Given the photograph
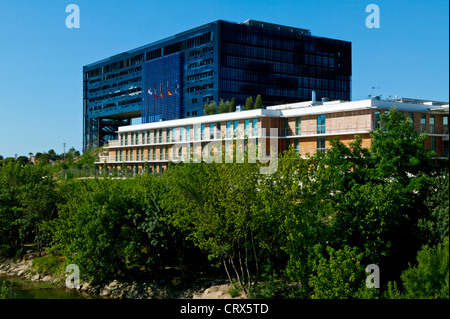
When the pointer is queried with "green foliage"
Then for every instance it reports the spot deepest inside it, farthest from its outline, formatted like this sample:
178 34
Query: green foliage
218 206
336 274
49 265
428 279
27 199
249 103
96 230
209 108
232 105
397 149
258 102
436 224
5 289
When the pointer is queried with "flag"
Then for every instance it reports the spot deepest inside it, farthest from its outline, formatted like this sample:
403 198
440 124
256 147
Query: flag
168 92
160 90
154 93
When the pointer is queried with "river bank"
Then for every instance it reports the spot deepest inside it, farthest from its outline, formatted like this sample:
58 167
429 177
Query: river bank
202 288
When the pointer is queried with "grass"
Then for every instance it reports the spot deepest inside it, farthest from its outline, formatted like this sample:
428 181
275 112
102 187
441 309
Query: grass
49 265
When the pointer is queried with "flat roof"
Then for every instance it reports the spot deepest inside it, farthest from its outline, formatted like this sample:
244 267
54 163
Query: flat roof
290 110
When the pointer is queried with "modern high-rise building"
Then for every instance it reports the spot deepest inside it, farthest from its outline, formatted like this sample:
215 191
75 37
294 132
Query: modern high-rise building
173 78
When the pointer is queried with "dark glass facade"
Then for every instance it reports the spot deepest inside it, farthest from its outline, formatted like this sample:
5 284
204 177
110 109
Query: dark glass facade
217 60
282 64
163 91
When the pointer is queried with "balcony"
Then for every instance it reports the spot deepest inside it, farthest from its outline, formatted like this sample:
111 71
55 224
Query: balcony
113 143
344 128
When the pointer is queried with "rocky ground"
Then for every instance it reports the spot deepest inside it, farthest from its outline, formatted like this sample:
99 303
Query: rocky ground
203 288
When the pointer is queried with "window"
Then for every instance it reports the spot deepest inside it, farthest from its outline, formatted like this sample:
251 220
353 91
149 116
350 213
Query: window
196 132
168 135
148 137
445 122
235 126
202 133
377 119
161 153
211 131
181 133
137 138
121 138
423 123
255 127
132 138
246 123
154 153
188 152
160 135
131 154
188 135
286 127
228 129
137 154
173 134
431 124
321 145
297 145
142 154
154 137
117 155
321 124
433 144
148 154
411 116
298 126
218 132
126 156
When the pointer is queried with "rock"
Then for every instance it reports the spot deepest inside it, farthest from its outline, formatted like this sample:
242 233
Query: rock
35 277
216 292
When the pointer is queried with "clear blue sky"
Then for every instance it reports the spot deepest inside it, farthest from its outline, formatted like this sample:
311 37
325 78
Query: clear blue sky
41 60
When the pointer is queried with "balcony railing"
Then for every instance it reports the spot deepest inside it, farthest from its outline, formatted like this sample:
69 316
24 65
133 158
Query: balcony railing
328 129
355 127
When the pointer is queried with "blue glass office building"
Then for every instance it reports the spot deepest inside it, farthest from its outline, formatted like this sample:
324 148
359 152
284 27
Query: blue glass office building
173 78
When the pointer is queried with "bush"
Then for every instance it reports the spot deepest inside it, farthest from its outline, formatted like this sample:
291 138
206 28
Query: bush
49 265
429 279
337 274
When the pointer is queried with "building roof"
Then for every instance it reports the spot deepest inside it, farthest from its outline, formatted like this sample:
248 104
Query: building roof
292 110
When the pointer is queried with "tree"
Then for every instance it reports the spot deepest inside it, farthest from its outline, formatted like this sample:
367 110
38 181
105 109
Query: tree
224 107
23 160
249 103
216 205
232 105
27 199
336 274
95 229
52 155
429 278
398 149
258 102
209 108
435 225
